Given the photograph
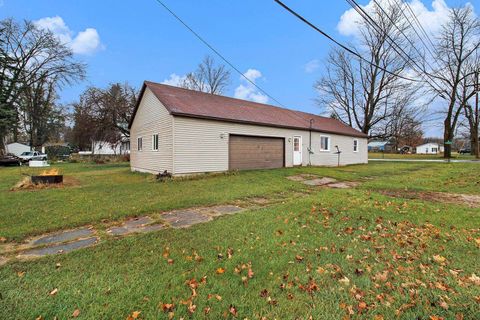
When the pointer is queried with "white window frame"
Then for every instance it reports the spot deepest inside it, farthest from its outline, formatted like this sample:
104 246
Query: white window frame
139 143
355 145
155 140
329 143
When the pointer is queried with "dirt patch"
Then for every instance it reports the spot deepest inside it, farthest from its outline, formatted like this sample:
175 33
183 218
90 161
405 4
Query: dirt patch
471 201
25 184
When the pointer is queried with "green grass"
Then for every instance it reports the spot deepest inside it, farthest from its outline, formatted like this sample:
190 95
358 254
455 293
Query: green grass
299 250
380 155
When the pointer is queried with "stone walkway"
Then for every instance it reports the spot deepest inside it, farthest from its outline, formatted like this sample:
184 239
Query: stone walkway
84 237
313 180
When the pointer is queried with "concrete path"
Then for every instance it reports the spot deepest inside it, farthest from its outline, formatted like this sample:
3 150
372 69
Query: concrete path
69 240
426 160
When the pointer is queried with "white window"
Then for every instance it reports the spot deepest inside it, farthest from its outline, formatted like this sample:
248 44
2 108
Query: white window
324 143
355 145
155 142
139 144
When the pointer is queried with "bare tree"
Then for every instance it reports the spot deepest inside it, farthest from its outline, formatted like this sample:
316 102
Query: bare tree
208 77
361 94
456 45
28 55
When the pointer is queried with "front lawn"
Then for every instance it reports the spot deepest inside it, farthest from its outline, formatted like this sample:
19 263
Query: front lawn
382 155
328 254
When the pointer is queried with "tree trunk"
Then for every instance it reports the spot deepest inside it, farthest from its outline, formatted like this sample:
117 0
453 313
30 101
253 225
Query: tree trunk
447 137
474 145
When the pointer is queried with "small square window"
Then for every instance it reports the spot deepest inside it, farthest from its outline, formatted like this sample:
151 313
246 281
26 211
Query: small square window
139 144
155 142
355 145
324 143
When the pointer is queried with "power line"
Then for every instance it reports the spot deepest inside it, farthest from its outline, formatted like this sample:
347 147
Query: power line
217 52
409 7
399 4
408 39
394 45
340 44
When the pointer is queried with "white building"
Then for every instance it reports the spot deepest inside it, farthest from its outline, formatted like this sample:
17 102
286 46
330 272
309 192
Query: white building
17 148
184 132
430 148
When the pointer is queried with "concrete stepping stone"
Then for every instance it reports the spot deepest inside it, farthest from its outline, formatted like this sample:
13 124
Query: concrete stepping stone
302 177
60 248
62 236
184 218
221 210
343 185
137 225
319 182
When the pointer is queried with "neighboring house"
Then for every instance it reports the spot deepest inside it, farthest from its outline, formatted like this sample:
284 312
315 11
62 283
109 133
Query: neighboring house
430 148
184 132
17 148
107 148
380 146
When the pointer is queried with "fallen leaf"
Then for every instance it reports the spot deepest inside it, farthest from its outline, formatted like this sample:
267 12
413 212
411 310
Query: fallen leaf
54 292
439 259
220 271
229 253
76 313
299 258
206 310
233 310
168 307
170 261
474 279
345 281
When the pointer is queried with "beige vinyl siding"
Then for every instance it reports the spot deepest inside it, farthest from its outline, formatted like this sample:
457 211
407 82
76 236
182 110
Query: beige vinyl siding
152 118
202 145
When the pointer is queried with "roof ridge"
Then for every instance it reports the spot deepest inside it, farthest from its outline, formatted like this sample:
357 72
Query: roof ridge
236 99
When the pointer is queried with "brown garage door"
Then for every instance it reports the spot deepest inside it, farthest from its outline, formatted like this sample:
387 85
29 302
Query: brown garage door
248 152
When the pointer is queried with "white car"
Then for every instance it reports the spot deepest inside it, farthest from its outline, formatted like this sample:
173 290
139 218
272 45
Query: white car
33 155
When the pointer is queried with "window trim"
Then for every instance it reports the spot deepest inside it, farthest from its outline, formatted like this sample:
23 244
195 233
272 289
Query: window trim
155 137
140 143
329 143
355 145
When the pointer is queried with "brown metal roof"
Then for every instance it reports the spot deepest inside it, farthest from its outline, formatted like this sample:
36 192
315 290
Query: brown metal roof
190 103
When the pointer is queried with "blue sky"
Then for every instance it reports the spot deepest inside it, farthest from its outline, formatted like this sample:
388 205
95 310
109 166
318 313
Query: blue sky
138 40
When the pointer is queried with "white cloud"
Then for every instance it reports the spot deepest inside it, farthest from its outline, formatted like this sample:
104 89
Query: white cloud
248 91
174 80
312 66
431 20
84 42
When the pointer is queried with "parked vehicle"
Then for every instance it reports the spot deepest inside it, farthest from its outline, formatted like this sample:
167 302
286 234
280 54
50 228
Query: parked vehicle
465 151
10 160
33 155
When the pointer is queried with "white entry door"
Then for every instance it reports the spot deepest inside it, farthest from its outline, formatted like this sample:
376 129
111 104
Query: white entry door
297 151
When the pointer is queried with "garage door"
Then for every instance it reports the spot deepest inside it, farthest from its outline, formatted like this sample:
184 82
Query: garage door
248 152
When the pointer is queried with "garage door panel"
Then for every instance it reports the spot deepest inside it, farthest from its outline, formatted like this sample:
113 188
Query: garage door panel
248 152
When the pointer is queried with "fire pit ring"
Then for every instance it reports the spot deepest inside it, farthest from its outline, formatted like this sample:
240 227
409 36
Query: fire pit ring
55 179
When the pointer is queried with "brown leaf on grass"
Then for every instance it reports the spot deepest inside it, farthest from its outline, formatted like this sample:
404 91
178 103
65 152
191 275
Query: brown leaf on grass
443 305
345 281
39 318
170 261
459 316
250 273
206 310
264 293
436 318
378 317
191 308
220 271
474 279
382 276
54 292
362 306
299 258
229 253
20 274
3 239
134 315
76 313
233 311
168 307
439 259
166 252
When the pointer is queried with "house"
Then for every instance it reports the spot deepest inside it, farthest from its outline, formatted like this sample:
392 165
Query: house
380 146
17 148
429 148
107 148
185 132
